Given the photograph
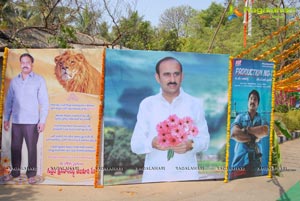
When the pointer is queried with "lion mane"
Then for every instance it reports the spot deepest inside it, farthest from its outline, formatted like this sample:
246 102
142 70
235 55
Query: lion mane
75 73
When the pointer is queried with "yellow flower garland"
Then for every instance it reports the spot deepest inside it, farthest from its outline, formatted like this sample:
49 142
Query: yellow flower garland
286 53
288 81
263 41
100 123
289 87
278 46
288 68
272 124
228 119
5 55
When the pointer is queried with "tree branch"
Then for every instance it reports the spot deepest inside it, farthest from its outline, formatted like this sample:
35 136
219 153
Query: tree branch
114 22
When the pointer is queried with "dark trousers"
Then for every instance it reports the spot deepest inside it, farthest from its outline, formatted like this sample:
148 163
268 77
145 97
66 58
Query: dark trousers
30 133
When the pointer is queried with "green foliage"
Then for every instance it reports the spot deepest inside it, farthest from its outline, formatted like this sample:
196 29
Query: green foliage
117 150
212 15
177 19
103 31
282 128
211 165
86 21
293 119
131 172
222 154
290 119
181 28
121 179
135 33
168 41
281 108
276 157
64 36
16 14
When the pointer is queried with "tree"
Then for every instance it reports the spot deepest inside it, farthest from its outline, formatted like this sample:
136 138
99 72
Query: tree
61 19
167 40
176 19
104 32
222 154
117 151
211 16
87 21
180 29
18 14
202 28
134 32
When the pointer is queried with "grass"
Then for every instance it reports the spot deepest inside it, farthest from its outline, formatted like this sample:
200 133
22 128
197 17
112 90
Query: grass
205 167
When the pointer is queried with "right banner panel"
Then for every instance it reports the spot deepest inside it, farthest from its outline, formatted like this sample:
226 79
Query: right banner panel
249 118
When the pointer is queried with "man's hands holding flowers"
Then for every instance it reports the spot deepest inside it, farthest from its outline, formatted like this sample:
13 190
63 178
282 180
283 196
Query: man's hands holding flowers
174 135
180 148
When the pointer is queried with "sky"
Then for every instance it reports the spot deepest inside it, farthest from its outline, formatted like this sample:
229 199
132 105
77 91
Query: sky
152 9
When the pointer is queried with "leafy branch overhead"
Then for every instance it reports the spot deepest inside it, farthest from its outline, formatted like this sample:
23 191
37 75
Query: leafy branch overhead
117 23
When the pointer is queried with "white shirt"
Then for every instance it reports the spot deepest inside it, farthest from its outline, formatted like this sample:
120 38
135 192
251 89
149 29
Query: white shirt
155 109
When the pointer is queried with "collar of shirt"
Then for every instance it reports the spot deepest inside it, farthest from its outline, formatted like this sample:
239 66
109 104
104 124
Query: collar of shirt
255 116
178 98
256 119
31 74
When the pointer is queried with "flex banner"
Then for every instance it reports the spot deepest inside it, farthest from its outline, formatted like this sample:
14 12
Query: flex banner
66 149
249 118
130 125
224 121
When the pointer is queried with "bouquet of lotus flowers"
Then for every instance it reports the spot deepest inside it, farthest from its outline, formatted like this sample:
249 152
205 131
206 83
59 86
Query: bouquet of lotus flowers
175 130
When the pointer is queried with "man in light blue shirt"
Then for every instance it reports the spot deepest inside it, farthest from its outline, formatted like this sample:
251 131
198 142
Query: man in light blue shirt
247 130
26 105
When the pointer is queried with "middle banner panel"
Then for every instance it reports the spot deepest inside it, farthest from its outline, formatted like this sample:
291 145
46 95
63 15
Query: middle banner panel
144 129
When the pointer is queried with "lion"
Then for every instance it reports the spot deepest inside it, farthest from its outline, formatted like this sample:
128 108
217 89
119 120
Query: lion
75 73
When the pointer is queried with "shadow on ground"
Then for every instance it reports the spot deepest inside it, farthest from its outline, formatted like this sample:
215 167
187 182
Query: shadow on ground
23 192
281 190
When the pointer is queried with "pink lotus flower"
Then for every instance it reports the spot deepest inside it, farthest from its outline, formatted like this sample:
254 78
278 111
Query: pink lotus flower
175 130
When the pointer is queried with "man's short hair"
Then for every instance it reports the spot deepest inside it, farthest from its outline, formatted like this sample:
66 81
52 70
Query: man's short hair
254 92
166 59
27 55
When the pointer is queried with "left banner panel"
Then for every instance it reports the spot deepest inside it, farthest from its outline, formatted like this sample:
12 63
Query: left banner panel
56 95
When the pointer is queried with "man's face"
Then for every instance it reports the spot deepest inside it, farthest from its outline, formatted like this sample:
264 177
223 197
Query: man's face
252 103
170 77
26 65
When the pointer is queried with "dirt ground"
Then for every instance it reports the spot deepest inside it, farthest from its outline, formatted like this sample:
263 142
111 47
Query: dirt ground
256 188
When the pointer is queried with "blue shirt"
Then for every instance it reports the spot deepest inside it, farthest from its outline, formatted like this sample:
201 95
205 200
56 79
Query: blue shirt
27 100
241 150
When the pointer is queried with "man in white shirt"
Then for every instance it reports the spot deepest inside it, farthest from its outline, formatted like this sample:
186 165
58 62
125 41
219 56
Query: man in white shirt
171 100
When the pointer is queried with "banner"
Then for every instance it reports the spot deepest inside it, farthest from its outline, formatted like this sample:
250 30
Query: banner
130 77
66 149
249 118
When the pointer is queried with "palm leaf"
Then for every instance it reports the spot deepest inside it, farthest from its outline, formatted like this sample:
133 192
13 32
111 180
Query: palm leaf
276 158
282 128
